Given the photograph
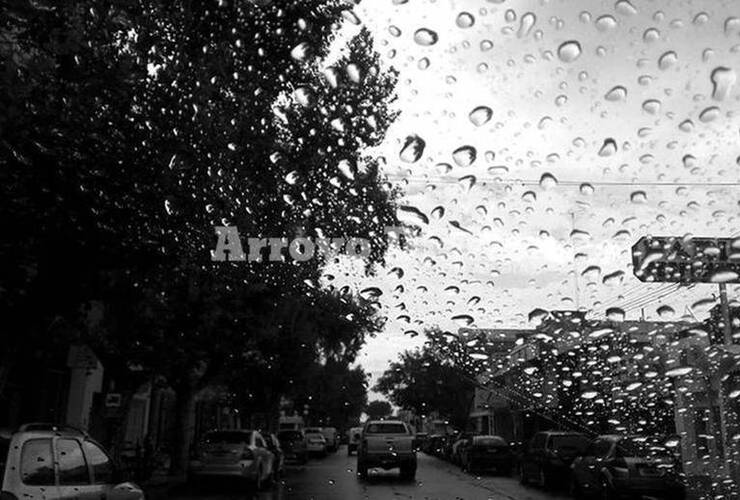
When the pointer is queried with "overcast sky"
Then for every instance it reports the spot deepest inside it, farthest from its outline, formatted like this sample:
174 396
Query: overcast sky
628 121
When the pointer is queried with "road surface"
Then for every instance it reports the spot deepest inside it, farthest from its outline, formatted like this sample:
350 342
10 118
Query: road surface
335 478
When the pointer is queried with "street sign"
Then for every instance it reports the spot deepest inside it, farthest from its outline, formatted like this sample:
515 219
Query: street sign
687 260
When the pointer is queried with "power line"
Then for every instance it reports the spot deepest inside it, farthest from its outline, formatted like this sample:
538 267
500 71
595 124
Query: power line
578 183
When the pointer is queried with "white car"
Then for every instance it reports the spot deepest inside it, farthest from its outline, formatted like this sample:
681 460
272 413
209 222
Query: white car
316 442
239 454
55 462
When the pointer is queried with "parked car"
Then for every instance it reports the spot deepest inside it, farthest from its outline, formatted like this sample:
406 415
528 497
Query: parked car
457 447
634 466
549 455
487 452
421 441
435 445
387 444
354 435
316 442
238 454
56 462
273 444
293 444
332 439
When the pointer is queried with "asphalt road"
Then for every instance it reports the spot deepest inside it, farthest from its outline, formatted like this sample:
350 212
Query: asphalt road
335 478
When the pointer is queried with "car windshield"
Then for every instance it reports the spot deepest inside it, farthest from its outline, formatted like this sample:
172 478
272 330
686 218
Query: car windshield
227 437
642 448
290 435
489 441
386 428
569 443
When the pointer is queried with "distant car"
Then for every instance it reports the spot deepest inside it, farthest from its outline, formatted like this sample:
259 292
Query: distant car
58 462
293 444
332 439
354 435
549 455
421 441
486 452
238 454
273 444
316 442
387 444
634 466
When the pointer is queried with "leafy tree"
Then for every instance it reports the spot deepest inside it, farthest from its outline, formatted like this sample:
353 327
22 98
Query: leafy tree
129 130
378 409
424 381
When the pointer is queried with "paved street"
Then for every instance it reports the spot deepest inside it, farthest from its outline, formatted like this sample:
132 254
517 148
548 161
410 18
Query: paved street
334 478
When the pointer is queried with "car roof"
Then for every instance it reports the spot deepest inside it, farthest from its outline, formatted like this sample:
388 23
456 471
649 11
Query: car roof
561 433
369 422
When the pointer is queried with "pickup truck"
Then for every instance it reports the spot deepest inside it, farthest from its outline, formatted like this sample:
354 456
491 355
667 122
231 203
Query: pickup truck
387 444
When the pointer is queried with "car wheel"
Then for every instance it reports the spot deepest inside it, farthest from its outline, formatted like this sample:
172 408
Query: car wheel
361 470
575 490
607 492
408 472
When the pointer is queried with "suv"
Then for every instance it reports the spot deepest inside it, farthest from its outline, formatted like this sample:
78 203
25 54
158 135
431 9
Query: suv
614 466
387 444
549 455
293 443
50 461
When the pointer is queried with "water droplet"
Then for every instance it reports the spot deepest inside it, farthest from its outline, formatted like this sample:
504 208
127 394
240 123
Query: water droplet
618 93
548 181
394 30
606 23
625 8
351 17
638 197
700 18
300 52
423 63
667 60
709 114
465 20
480 115
426 37
609 148
651 106
526 24
651 35
679 372
411 215
412 149
686 126
615 314
304 96
464 156
486 45
723 276
665 311
569 51
463 320
722 81
586 189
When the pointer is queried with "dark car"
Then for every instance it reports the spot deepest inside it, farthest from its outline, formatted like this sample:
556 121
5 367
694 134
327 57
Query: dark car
293 444
627 466
487 452
548 456
421 441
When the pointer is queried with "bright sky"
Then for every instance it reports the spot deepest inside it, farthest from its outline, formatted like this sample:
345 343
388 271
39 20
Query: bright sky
508 243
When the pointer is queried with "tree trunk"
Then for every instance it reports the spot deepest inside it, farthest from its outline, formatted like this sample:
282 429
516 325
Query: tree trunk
185 415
